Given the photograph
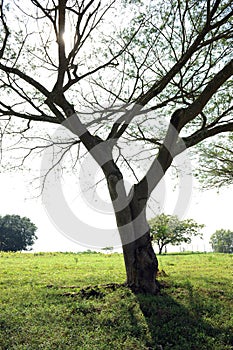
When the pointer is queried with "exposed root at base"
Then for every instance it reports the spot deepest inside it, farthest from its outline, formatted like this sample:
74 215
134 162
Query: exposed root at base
100 290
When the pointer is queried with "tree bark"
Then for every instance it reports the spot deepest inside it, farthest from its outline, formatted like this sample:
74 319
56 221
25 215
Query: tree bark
141 265
140 259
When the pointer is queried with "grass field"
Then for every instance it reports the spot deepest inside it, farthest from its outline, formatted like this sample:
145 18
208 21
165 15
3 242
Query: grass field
71 301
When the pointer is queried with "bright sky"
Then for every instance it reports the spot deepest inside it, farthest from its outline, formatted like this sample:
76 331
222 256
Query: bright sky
17 197
209 208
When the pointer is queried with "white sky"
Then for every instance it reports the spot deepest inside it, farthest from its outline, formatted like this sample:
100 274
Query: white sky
209 208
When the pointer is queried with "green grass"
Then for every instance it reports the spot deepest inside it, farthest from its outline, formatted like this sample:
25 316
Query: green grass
67 301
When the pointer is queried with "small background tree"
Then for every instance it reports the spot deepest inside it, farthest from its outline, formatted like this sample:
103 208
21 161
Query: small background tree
168 229
16 233
222 241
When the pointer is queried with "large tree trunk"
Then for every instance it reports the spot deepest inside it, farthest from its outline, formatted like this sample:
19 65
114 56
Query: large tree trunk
141 265
140 260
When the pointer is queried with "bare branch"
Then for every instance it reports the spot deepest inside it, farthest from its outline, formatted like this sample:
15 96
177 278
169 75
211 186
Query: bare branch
7 32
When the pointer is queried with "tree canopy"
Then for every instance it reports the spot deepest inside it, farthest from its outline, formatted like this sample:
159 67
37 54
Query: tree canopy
159 76
222 241
16 233
168 229
216 163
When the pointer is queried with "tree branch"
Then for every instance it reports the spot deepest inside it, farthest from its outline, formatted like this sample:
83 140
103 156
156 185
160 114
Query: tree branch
203 134
197 106
7 32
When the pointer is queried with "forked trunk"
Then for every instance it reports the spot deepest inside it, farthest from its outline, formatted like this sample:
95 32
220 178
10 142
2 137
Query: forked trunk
140 260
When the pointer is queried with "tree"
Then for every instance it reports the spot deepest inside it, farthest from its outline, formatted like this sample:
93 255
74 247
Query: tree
216 168
16 233
159 77
168 229
222 241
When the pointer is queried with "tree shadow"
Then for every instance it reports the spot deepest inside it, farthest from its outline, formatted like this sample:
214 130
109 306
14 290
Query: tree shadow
175 326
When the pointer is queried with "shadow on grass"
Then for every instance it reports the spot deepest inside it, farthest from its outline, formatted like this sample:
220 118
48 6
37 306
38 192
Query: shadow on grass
178 319
177 327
